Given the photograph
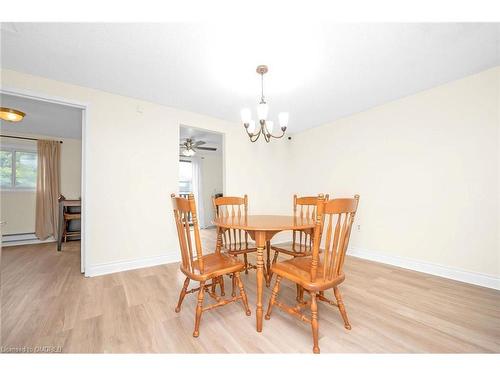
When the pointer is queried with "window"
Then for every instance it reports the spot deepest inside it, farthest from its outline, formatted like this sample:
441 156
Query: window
18 169
185 177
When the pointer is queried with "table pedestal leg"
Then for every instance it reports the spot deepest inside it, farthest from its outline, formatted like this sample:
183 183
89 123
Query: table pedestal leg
268 263
260 282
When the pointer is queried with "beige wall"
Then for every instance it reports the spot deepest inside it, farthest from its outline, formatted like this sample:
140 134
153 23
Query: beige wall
427 169
18 207
71 168
18 212
132 167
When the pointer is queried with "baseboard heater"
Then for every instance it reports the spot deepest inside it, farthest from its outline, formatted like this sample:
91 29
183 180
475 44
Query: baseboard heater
22 239
6 238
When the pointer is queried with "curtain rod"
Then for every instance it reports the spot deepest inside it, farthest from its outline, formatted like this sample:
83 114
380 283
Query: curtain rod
29 139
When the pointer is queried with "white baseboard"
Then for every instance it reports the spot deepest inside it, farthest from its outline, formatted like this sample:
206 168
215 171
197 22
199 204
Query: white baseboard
107 268
23 239
475 278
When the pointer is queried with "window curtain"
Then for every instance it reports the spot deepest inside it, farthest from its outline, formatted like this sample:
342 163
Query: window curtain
197 163
47 188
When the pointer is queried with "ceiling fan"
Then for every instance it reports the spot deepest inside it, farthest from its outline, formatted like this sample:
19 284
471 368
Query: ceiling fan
190 146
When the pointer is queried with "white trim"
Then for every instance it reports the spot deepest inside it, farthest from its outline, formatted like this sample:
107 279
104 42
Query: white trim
85 107
475 278
43 97
17 190
27 242
107 268
23 239
83 192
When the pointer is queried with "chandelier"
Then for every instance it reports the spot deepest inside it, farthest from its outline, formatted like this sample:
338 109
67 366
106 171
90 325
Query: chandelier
264 127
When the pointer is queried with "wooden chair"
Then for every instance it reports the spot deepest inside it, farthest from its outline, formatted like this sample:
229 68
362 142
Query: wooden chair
319 272
303 207
67 217
234 241
202 268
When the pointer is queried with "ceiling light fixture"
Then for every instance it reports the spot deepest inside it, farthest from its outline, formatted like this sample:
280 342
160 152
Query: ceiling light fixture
190 146
188 152
11 115
266 127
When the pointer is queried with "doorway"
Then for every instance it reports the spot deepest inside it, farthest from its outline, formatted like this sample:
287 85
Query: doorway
46 119
201 169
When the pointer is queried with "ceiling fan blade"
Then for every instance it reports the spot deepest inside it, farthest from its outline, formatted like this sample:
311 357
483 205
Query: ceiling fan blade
207 148
199 143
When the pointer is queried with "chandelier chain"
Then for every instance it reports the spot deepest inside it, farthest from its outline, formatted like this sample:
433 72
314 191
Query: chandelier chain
262 88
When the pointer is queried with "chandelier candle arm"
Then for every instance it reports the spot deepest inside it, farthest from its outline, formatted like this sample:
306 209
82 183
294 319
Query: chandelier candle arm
266 127
253 136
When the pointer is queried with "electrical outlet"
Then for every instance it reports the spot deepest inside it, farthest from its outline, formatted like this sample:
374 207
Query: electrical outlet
358 227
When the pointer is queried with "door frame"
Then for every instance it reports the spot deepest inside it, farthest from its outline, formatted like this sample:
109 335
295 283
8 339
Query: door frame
85 107
223 148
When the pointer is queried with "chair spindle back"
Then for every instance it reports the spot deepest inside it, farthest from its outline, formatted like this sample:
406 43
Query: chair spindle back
304 208
233 240
334 219
189 240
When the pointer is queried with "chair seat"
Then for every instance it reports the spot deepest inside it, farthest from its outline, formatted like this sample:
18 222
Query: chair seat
298 270
216 264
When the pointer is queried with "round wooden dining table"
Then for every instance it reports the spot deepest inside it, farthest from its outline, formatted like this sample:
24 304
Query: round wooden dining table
262 228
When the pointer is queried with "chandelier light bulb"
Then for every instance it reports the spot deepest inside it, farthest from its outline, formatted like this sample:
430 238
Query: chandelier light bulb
188 152
283 119
246 115
251 126
262 111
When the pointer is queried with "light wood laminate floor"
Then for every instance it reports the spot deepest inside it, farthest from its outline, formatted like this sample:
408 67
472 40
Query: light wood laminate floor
45 301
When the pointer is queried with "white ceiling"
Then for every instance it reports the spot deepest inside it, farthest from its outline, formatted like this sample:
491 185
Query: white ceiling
318 72
42 118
